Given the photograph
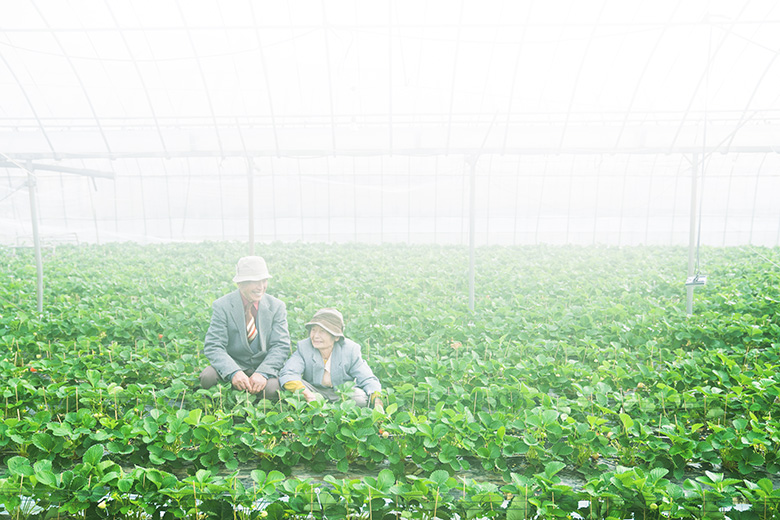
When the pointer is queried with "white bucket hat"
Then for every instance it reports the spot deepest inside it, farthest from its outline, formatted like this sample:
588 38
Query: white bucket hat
251 268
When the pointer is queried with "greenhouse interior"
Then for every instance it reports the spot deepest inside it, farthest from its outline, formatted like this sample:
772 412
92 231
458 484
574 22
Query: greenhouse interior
487 259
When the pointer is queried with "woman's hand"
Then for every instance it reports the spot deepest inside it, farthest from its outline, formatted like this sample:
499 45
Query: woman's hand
309 395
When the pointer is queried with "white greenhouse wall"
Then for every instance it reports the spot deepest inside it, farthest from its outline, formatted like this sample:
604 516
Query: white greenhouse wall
556 199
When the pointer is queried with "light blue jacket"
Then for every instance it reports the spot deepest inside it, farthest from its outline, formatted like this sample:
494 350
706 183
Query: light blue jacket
226 345
346 364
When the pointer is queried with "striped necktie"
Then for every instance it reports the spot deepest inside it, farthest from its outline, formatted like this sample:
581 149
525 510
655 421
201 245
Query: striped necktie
251 328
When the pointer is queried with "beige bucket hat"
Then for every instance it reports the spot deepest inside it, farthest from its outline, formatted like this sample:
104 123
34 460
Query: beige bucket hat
251 268
329 319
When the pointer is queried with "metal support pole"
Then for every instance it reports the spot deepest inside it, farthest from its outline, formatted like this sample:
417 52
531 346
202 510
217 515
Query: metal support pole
692 237
250 189
472 227
36 237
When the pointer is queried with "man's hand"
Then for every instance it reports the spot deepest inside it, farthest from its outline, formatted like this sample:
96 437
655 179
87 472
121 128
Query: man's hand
240 381
309 395
257 383
253 384
378 406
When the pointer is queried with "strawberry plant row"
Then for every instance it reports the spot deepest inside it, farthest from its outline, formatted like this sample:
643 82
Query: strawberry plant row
576 359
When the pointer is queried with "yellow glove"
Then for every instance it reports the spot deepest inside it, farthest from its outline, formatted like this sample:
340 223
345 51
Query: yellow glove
293 386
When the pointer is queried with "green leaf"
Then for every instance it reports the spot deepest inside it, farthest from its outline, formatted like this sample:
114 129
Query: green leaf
155 459
154 476
274 476
93 376
385 479
202 476
43 465
658 473
523 482
766 485
519 509
20 466
551 468
117 447
93 454
549 416
258 476
440 477
44 474
227 456
43 441
124 484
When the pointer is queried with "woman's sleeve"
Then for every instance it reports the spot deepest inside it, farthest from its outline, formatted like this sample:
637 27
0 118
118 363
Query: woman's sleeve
292 370
364 376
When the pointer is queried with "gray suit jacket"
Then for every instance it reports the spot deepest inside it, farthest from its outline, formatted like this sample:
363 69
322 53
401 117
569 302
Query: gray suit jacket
226 345
346 364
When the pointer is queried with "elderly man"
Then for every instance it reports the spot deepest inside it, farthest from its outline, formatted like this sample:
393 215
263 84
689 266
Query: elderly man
247 341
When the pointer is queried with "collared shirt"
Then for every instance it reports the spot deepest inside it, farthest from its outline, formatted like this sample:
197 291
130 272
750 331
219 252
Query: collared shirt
247 302
254 345
326 380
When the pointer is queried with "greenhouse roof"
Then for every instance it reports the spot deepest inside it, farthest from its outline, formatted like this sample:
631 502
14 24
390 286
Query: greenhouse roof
578 121
170 78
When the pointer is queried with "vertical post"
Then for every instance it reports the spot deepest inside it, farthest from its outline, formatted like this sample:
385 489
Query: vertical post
250 190
94 213
692 233
472 226
36 236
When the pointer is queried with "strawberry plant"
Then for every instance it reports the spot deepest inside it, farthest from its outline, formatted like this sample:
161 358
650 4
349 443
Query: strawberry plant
599 376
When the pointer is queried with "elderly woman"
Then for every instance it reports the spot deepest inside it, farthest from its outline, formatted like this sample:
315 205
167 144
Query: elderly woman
326 360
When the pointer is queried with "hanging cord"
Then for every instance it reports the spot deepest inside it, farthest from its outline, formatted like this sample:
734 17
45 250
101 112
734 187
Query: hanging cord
755 251
703 154
698 238
22 167
14 190
16 163
701 203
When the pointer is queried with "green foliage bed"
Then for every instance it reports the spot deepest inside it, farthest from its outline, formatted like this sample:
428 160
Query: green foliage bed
578 362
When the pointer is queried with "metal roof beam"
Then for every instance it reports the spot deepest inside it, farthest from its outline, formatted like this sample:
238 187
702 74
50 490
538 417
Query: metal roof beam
302 153
57 168
78 77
